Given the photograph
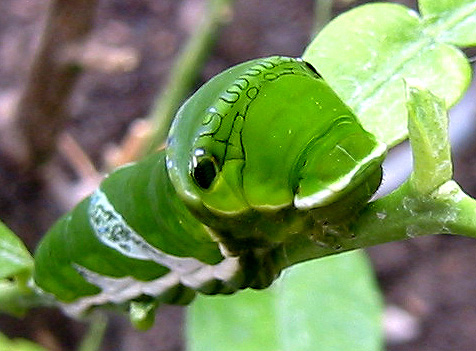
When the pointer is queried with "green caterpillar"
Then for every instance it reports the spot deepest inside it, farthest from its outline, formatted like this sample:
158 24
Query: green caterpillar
263 151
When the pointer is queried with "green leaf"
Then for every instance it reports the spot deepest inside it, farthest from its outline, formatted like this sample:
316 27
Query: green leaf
244 321
428 128
16 298
458 14
16 266
14 257
366 53
333 303
11 299
330 304
18 344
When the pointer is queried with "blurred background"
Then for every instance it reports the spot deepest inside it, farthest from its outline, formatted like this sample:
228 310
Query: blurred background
115 73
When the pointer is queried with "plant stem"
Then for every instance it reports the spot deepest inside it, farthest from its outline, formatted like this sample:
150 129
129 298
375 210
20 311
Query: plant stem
399 216
185 72
16 299
322 14
95 334
42 111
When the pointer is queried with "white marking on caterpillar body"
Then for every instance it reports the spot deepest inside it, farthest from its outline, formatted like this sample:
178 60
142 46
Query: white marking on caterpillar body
112 229
325 196
120 290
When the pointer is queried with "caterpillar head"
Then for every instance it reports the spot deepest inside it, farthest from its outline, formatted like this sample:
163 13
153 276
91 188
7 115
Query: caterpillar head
270 135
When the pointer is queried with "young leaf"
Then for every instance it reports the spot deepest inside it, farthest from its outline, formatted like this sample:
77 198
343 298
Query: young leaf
428 127
10 303
366 53
16 266
14 257
330 304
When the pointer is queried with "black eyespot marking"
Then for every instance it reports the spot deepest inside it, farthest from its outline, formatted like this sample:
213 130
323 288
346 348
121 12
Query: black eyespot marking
204 172
311 67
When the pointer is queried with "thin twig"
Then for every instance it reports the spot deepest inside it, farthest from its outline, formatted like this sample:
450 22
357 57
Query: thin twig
77 157
42 112
93 339
186 70
184 74
138 135
322 14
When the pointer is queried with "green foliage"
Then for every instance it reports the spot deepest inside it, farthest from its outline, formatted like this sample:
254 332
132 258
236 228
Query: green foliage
14 257
332 304
16 265
365 55
428 126
18 344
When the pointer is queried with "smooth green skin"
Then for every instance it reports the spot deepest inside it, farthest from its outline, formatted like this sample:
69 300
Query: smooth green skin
277 133
142 193
429 202
446 208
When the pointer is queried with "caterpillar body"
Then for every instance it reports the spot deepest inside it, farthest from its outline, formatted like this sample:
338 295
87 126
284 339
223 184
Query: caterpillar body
263 151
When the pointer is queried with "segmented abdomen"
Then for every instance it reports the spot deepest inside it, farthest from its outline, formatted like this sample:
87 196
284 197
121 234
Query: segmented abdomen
132 237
